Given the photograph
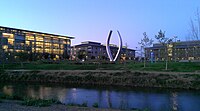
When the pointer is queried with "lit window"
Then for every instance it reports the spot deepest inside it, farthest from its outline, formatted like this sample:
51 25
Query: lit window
30 37
39 38
28 43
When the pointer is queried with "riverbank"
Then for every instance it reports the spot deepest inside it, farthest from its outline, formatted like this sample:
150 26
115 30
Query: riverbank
178 80
15 105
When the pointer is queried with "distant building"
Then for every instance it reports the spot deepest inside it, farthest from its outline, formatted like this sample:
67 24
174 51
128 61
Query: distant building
96 51
182 50
32 45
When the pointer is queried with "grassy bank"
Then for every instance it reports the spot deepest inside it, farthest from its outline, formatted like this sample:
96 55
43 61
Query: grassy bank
67 65
110 78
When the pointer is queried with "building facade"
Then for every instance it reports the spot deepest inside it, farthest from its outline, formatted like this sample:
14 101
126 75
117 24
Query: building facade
32 45
176 51
96 51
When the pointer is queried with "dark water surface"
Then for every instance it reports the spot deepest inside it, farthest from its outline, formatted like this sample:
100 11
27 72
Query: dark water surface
110 97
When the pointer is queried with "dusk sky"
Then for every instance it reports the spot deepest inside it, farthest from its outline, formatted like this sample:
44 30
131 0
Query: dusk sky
92 19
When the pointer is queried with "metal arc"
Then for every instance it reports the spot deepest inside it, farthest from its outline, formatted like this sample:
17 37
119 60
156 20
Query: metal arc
108 46
120 46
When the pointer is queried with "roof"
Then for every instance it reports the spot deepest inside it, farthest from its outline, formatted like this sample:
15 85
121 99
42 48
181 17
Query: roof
97 44
36 32
91 43
86 45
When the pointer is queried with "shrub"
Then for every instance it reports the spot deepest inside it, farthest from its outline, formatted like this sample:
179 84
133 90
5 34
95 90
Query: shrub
10 97
95 105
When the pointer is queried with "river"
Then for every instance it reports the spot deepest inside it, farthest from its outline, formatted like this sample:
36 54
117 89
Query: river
153 99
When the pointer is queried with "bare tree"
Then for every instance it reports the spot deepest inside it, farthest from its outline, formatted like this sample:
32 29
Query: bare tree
195 26
145 42
164 41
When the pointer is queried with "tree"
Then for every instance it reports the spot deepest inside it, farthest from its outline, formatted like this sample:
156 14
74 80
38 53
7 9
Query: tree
195 26
66 56
81 54
103 57
92 57
22 56
145 42
46 55
52 56
164 41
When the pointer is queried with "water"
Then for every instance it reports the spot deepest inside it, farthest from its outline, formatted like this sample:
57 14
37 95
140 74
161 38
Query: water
108 97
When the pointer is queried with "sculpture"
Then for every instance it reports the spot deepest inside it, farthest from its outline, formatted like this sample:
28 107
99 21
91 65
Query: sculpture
108 46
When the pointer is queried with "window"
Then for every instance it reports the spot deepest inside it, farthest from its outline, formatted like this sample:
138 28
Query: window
68 42
39 50
28 43
19 37
47 45
39 44
10 37
30 37
39 38
2 29
55 51
47 39
48 50
61 46
55 46
55 40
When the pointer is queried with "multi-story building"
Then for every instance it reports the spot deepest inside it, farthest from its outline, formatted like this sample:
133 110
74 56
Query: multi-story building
96 51
32 45
176 51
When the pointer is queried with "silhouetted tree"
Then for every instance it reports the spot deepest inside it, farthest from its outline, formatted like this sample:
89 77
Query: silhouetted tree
82 54
22 56
93 57
46 55
66 56
52 56
195 26
103 57
145 42
164 41
8 57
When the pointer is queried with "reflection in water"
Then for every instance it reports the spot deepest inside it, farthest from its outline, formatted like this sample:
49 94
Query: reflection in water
108 99
73 97
8 90
123 101
174 101
155 100
99 96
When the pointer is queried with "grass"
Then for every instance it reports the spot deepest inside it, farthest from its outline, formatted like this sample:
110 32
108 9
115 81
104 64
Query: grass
172 67
37 102
29 101
160 66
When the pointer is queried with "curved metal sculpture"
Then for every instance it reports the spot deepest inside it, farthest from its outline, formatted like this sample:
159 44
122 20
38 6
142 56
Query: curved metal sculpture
108 46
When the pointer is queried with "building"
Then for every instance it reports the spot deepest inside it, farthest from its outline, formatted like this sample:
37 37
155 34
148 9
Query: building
176 51
89 50
31 45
